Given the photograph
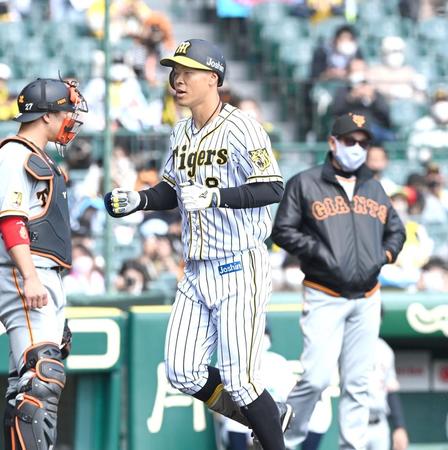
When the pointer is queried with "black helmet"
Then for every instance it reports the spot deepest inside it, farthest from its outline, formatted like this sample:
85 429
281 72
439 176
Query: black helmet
48 95
198 54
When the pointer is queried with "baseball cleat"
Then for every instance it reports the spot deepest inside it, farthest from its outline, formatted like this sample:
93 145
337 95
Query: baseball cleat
286 416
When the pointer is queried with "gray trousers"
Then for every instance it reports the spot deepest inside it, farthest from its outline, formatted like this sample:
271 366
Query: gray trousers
378 435
29 327
336 331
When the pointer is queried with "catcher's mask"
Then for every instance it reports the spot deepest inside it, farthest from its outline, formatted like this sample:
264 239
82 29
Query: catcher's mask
50 95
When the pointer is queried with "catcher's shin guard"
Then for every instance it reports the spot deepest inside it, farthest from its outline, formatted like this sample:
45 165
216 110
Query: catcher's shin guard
37 403
10 435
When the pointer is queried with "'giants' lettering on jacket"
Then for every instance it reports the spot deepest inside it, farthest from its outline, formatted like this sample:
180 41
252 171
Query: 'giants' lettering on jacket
329 207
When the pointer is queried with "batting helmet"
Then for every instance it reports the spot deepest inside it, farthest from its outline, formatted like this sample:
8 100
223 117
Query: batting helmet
48 95
198 54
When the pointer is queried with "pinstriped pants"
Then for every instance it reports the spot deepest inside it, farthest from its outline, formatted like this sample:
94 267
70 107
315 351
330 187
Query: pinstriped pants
220 305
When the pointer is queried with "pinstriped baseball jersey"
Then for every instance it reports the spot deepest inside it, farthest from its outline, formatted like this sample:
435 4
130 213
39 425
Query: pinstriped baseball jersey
232 150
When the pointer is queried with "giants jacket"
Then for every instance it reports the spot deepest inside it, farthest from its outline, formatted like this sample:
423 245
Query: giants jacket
341 244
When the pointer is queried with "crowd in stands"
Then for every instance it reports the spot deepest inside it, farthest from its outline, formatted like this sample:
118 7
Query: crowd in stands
350 69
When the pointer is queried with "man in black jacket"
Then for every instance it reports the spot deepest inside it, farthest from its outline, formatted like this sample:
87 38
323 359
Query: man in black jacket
337 219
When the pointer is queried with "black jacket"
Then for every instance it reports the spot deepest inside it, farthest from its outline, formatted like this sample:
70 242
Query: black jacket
342 245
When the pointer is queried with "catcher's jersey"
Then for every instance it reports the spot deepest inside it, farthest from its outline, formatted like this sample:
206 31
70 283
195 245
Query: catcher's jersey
20 195
231 150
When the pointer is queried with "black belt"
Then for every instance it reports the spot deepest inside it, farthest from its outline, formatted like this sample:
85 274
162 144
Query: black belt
58 269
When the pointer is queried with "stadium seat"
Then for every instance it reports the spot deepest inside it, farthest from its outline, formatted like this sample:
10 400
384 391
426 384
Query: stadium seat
29 58
10 34
8 128
272 11
403 114
371 11
434 29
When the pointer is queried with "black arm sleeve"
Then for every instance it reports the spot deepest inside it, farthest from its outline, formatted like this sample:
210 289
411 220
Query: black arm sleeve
161 196
396 411
253 195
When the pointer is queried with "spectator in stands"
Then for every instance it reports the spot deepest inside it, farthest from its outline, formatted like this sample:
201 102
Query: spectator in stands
8 12
436 197
80 155
126 17
377 161
155 32
172 111
417 249
122 168
147 175
85 177
414 189
431 131
317 10
8 103
133 278
434 276
330 61
409 9
360 97
129 108
420 10
393 78
84 277
159 258
252 108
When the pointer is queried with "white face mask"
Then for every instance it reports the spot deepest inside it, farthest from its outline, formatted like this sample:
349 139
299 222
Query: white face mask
394 59
357 77
440 111
82 264
347 48
349 158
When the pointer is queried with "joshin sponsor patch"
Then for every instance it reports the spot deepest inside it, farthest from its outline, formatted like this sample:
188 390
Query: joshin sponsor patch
234 266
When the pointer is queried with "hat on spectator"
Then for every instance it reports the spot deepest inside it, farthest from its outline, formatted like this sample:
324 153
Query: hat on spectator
349 123
5 71
392 44
440 94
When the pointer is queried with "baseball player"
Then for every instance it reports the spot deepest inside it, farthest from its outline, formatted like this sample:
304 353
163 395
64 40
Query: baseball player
337 219
35 246
384 407
221 173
